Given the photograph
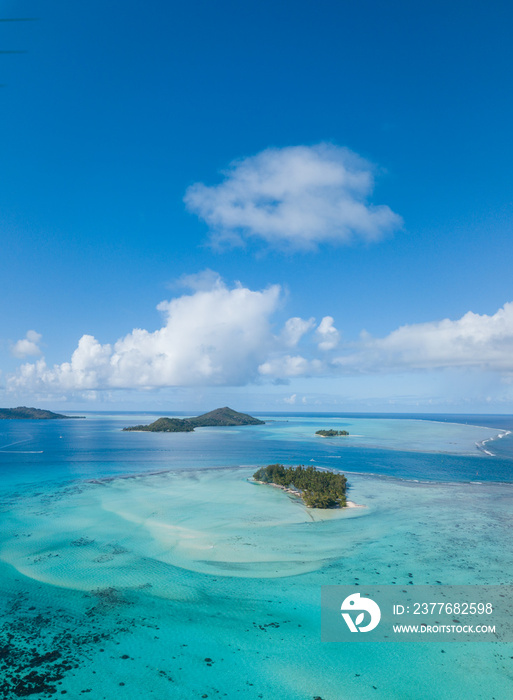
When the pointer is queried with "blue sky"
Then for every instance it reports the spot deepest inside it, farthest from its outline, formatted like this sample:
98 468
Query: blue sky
336 160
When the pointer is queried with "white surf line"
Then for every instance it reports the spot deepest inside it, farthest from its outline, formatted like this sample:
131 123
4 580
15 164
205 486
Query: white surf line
448 422
500 435
480 446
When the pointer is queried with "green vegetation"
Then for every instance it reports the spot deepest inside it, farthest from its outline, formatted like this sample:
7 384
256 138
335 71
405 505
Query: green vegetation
22 412
219 417
331 433
224 416
318 489
165 425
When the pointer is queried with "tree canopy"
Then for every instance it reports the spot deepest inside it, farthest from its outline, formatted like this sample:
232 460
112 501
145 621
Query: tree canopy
318 489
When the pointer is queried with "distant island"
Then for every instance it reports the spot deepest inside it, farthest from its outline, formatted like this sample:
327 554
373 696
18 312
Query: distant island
165 425
22 412
218 417
331 433
318 489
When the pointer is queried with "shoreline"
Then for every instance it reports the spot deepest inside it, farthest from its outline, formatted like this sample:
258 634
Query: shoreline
330 437
297 494
414 481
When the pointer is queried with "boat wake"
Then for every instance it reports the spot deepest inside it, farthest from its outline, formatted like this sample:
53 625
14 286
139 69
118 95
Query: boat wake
19 452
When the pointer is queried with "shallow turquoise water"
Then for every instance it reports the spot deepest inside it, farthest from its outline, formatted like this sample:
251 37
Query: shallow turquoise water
101 559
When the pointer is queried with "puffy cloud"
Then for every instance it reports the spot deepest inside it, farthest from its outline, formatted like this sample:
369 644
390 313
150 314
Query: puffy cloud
220 336
27 346
202 281
296 197
327 334
479 342
474 340
286 366
294 329
216 336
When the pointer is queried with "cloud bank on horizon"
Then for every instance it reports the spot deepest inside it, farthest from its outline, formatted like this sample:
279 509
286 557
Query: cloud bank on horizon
474 341
221 336
214 336
294 198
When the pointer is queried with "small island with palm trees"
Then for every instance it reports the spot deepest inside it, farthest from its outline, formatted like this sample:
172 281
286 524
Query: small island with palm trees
331 433
317 489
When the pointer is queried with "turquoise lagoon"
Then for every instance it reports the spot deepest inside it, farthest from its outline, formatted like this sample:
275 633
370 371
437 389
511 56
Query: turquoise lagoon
147 565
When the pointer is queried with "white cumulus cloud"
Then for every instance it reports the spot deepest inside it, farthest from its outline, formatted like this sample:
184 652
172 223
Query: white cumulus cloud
473 341
27 346
294 329
327 334
287 366
221 336
294 197
216 336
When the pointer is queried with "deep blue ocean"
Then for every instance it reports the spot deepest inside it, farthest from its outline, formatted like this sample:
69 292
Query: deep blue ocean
32 451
